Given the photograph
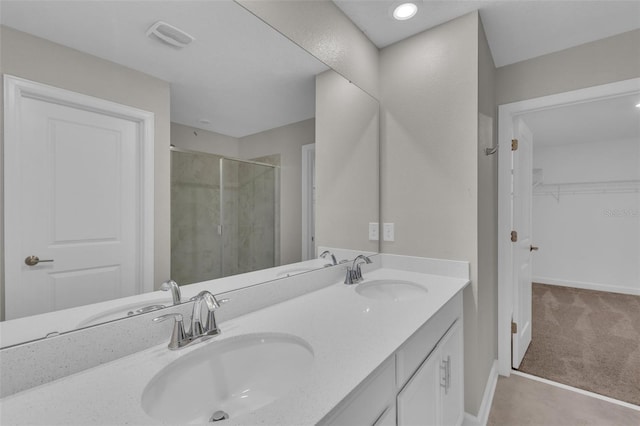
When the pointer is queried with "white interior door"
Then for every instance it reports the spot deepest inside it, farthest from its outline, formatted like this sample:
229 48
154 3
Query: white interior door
74 201
521 223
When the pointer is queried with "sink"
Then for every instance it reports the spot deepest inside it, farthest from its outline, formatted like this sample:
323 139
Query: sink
394 290
124 311
233 376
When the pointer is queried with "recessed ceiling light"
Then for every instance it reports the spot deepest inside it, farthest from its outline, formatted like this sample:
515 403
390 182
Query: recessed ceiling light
405 11
638 106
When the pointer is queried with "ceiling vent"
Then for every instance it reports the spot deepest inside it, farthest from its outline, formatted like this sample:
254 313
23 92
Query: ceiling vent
170 34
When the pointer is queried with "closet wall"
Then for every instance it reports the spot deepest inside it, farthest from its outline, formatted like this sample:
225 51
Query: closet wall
586 216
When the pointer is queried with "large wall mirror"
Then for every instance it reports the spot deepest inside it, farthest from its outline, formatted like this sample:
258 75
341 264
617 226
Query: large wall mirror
261 156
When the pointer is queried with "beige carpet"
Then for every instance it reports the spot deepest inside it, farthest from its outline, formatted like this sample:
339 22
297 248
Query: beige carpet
586 339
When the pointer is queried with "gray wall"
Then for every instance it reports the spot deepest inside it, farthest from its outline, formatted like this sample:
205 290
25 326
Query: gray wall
322 29
286 141
188 137
36 59
485 334
347 190
604 61
431 168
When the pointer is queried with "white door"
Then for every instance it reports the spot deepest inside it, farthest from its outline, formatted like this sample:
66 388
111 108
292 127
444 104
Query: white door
73 199
521 223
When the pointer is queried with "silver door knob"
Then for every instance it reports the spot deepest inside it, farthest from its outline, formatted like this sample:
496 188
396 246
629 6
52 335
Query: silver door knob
34 260
533 248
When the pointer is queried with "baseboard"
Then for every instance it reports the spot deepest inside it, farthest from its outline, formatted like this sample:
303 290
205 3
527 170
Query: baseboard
487 399
577 390
587 286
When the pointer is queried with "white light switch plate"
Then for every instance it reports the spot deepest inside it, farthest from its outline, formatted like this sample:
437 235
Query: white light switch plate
388 232
374 231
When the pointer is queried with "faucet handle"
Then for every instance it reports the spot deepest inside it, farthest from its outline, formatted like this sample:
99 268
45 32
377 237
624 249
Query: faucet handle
178 335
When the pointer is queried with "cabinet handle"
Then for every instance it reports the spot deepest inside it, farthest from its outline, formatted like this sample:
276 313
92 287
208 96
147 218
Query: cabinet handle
445 366
443 377
446 390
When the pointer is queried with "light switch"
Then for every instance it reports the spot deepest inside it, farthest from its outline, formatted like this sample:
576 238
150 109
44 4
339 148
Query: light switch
374 231
388 232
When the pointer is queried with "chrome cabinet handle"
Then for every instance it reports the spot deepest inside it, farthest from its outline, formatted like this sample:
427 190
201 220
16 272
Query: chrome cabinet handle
34 260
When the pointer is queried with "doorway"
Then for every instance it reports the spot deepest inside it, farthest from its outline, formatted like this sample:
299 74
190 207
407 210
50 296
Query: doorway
556 173
78 199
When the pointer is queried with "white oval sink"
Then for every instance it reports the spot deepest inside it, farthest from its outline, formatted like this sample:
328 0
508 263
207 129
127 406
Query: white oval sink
394 290
124 311
235 376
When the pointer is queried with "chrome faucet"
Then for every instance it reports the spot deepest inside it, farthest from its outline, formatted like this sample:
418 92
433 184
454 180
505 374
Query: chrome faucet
199 330
209 327
175 290
354 273
328 253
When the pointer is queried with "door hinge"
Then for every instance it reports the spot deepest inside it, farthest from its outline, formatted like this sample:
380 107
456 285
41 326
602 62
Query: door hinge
514 327
514 236
514 144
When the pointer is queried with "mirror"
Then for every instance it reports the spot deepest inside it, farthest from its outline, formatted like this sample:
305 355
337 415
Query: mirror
246 110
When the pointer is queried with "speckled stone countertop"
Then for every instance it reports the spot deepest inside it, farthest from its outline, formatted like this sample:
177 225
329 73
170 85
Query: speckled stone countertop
350 335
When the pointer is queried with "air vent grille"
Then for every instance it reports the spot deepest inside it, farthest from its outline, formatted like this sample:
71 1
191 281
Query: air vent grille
169 34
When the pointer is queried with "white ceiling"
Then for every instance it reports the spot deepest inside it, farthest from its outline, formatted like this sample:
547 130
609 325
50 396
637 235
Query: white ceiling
239 73
603 120
516 29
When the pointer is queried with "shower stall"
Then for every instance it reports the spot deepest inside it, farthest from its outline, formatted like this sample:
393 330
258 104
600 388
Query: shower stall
225 215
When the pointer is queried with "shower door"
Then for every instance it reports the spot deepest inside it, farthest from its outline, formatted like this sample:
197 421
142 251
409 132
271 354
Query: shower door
224 216
196 246
249 211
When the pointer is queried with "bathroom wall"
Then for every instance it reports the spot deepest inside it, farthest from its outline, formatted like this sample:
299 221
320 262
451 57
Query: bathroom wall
486 322
588 240
36 59
187 137
437 187
287 141
347 194
604 61
322 29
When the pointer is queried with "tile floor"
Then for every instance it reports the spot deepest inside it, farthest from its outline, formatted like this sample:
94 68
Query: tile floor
522 401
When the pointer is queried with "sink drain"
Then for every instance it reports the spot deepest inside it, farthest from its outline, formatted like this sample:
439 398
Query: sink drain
218 416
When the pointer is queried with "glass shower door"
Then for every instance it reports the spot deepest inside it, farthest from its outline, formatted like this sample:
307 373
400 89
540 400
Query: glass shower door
196 245
249 211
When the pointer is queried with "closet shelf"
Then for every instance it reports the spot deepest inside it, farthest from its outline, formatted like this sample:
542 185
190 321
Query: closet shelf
574 188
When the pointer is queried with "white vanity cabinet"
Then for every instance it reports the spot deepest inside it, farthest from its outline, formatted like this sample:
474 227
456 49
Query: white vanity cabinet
372 403
434 394
420 385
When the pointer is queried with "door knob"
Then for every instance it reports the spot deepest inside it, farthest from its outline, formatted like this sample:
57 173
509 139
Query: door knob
533 248
34 260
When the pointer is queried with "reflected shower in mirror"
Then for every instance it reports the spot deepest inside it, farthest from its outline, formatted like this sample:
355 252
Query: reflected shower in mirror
246 111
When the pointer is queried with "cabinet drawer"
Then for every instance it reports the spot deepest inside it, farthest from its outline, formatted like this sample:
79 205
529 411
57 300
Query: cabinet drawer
419 346
369 401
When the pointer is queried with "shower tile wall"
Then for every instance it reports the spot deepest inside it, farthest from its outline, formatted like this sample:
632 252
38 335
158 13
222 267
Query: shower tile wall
250 208
258 203
195 214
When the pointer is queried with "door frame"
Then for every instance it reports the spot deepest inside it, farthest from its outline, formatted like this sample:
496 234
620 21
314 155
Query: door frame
16 89
308 167
506 115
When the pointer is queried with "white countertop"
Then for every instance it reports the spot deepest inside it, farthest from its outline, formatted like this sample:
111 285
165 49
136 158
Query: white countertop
350 335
